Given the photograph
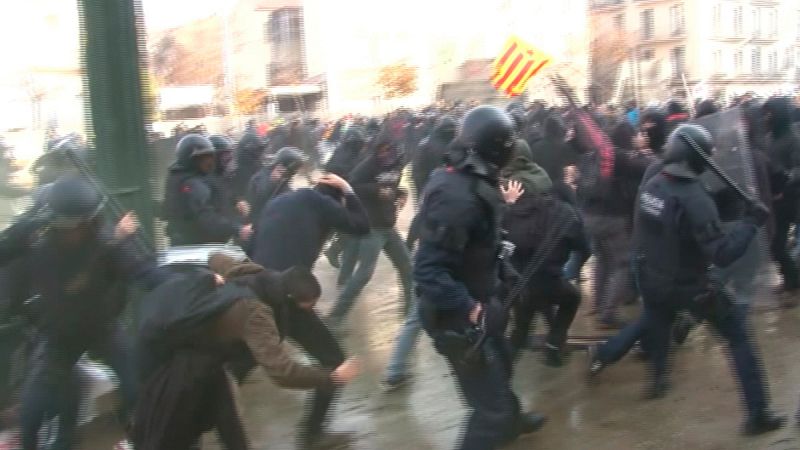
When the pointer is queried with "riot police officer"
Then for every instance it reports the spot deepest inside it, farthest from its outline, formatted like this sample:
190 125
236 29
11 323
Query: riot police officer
274 179
82 264
457 273
678 235
192 205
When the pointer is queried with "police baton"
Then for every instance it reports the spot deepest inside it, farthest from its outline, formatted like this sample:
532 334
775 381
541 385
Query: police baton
116 208
551 239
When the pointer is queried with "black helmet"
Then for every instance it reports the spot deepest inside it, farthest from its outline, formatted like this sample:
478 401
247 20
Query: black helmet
193 145
289 157
681 157
73 201
488 131
220 143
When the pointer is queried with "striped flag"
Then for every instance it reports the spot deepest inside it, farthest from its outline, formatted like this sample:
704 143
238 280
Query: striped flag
518 62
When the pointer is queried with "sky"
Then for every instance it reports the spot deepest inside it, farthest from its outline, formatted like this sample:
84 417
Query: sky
162 14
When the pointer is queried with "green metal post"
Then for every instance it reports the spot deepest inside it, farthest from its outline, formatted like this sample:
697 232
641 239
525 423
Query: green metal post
113 60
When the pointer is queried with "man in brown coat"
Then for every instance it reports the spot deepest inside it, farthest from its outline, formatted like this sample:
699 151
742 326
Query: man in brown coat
193 324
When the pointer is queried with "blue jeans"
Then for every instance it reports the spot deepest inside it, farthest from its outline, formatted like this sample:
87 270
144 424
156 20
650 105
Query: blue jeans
619 345
369 248
405 344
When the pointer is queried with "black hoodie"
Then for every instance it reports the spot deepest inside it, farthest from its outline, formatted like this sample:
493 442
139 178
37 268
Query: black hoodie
348 153
379 172
431 152
783 148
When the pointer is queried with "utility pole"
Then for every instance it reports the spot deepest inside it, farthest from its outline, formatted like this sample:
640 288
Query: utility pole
114 63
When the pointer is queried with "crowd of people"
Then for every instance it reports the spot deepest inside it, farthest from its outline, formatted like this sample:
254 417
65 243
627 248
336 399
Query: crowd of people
510 205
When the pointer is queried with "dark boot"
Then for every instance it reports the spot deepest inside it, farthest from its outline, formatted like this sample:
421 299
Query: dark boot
762 422
530 422
595 364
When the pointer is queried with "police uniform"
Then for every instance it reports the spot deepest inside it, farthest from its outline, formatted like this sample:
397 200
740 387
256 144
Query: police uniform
456 266
678 235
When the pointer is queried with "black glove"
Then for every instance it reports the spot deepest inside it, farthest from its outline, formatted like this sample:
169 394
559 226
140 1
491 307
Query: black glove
493 318
756 213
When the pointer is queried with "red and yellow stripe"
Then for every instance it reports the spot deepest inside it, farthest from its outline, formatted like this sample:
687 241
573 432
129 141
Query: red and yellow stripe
517 64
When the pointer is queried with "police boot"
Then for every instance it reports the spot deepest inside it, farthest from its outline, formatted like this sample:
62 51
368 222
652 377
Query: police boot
762 422
657 389
530 422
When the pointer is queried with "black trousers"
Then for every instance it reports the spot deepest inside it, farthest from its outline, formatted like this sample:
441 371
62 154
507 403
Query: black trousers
554 297
312 335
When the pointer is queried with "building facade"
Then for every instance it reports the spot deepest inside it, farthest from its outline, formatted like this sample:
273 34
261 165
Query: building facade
710 48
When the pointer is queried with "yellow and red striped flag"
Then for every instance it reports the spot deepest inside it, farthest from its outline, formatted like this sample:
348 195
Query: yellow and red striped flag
518 62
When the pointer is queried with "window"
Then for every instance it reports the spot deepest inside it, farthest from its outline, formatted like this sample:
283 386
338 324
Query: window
738 59
788 60
266 32
717 14
756 22
738 21
772 62
676 19
678 55
717 61
619 22
772 21
647 54
755 61
648 24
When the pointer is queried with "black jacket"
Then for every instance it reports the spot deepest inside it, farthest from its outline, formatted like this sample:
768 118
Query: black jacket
194 210
294 226
783 148
369 179
528 222
456 263
431 153
678 234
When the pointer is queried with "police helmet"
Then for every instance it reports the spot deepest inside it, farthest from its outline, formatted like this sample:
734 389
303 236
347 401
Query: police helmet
73 201
682 157
221 143
488 131
193 145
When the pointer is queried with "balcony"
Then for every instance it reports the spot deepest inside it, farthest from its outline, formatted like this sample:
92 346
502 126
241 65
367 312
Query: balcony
663 38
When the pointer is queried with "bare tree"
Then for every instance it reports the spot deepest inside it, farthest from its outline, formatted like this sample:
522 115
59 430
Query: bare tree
398 80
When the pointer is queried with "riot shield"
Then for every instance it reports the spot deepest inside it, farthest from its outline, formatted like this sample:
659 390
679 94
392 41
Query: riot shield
733 155
731 151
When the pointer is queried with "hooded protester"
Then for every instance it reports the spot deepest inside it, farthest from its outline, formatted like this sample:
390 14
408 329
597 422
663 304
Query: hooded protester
783 151
193 201
553 154
193 324
676 115
527 221
431 152
608 216
348 153
653 125
376 181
